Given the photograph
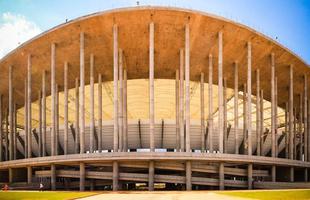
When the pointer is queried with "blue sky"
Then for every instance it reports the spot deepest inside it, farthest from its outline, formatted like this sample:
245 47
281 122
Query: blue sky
286 20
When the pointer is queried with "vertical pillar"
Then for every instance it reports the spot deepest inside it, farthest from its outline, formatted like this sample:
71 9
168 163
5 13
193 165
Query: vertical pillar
273 173
57 120
100 112
66 108
295 134
236 99
77 117
15 129
40 123
115 87
11 148
182 100
225 115
258 112
177 111
6 135
29 116
249 98
276 116
286 129
82 95
1 131
187 88
220 92
291 113
273 128
262 119
44 113
151 85
82 176
53 96
250 176
305 118
202 111
25 121
188 175
120 101
245 120
221 176
291 174
11 175
125 132
53 177
210 106
115 176
151 175
92 106
29 174
300 127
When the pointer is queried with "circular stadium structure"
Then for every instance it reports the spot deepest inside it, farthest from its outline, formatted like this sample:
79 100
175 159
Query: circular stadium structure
154 98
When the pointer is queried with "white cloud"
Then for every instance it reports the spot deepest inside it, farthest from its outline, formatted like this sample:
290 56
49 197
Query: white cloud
14 30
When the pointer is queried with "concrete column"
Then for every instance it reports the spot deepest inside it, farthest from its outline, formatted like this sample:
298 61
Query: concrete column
305 118
291 174
188 175
249 98
82 95
273 128
6 139
40 123
57 120
220 92
258 112
25 122
53 97
245 120
276 116
187 88
210 106
53 177
92 106
306 175
115 175
202 112
11 147
100 112
151 85
177 110
236 99
15 129
44 113
250 176
115 87
221 176
1 131
121 100
301 143
262 119
82 176
66 108
182 100
273 173
11 174
295 133
125 132
29 174
286 130
151 175
29 115
77 117
225 115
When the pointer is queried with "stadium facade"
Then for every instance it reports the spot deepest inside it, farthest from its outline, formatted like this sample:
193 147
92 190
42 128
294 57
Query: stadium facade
157 97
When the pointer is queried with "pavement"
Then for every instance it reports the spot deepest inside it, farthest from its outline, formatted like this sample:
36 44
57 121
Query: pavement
165 195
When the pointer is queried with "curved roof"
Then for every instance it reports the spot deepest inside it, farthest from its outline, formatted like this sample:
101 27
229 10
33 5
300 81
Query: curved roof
169 38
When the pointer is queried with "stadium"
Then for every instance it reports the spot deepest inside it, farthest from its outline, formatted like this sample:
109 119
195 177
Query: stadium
157 98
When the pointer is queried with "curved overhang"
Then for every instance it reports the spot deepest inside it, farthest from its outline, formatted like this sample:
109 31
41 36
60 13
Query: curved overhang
134 40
